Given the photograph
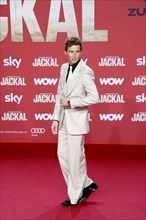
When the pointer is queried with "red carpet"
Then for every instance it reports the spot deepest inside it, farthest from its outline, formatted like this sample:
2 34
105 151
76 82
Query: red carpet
32 186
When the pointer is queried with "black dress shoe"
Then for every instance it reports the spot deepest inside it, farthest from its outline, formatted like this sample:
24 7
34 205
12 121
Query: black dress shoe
67 203
92 187
87 192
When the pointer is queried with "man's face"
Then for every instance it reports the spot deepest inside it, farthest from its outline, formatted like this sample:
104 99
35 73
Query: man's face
73 54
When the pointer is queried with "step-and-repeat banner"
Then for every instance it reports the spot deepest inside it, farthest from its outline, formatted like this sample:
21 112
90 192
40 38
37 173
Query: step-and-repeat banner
32 35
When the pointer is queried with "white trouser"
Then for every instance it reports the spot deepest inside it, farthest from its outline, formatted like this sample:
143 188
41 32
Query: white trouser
72 161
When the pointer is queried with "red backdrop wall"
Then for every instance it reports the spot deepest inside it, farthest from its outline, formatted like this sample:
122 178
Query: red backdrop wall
32 34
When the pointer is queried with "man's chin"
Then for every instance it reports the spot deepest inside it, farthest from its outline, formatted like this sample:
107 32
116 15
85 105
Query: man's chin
74 61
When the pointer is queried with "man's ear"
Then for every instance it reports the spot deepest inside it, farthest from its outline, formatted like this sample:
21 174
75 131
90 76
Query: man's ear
65 52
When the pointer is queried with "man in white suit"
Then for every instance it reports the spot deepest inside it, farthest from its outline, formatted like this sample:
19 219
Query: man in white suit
76 91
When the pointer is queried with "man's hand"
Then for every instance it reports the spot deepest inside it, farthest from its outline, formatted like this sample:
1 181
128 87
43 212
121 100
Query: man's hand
54 127
64 102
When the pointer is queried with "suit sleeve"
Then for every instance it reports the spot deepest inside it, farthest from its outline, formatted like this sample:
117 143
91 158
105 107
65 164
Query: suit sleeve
58 108
92 96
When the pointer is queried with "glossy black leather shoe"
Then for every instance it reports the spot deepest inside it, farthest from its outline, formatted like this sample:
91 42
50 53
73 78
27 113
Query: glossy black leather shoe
67 203
92 187
87 192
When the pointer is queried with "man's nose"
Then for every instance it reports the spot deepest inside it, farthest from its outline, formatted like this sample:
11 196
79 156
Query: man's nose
74 54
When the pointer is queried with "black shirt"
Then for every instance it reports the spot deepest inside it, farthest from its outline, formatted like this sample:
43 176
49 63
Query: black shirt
73 68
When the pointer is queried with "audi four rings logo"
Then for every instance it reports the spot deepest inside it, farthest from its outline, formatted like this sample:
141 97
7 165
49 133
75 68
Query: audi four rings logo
38 130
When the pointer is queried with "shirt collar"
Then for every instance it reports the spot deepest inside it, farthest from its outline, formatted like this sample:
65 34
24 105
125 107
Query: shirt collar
74 65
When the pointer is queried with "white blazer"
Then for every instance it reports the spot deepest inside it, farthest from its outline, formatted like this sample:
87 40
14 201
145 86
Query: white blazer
82 92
